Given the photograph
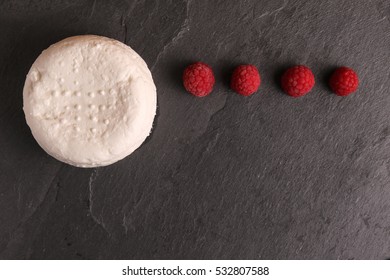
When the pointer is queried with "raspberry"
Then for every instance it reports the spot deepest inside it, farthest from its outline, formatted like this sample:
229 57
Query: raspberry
298 81
245 80
198 79
344 81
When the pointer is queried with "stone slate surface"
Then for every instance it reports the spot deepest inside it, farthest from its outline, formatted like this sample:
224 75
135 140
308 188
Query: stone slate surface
223 177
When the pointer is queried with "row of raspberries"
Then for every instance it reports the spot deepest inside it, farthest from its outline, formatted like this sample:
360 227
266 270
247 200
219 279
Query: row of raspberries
198 79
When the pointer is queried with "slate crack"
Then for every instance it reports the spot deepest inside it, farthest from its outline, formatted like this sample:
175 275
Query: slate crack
93 8
285 3
124 25
380 11
19 198
124 17
26 219
212 116
98 221
183 30
45 196
126 222
274 12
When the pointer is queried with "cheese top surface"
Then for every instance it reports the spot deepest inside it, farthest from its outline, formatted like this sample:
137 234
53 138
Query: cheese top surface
89 100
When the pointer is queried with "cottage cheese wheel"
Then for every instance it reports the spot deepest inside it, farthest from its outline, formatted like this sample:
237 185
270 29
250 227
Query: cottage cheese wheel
89 100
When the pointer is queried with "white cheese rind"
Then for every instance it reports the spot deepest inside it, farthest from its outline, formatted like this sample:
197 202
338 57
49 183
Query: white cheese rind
89 100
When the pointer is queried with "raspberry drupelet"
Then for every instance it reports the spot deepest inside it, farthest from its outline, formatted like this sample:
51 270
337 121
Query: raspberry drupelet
245 80
298 80
344 81
198 79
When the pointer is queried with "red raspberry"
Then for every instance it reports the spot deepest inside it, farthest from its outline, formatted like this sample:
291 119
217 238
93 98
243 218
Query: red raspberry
298 81
344 81
245 80
198 79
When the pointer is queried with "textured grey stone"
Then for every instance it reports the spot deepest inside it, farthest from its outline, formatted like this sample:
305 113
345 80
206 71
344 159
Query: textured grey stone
262 177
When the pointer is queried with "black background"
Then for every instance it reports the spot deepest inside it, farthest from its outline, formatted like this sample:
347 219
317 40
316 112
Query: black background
226 176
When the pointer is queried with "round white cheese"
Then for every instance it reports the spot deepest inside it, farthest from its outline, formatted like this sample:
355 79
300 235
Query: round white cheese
89 100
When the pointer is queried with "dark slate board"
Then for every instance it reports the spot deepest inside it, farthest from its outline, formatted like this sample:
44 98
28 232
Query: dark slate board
263 177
